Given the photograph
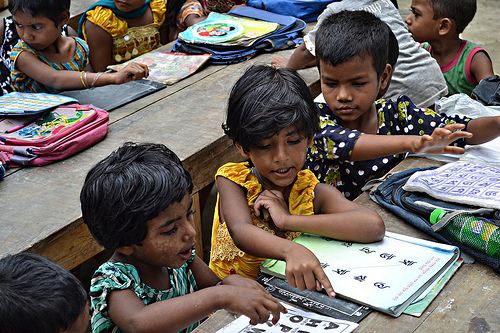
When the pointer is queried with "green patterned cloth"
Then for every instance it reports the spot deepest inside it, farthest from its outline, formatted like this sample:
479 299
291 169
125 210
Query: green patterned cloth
110 276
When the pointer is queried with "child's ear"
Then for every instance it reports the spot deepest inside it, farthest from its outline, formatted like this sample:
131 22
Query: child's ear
445 26
310 140
242 151
385 78
65 16
125 250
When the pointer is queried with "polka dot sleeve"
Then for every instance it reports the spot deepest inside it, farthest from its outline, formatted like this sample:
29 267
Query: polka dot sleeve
401 116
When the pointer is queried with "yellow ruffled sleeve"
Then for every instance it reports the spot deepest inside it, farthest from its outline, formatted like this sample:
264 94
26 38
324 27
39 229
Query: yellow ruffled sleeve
302 194
107 20
159 9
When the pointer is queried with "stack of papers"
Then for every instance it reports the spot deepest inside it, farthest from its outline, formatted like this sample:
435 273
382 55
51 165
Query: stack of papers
386 276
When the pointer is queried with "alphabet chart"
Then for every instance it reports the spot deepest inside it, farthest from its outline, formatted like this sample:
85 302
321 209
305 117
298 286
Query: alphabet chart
295 321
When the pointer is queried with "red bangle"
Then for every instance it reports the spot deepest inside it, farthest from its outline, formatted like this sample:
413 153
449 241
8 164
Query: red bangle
232 271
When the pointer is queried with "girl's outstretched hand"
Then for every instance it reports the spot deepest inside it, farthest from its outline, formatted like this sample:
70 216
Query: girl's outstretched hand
304 271
131 72
247 297
438 142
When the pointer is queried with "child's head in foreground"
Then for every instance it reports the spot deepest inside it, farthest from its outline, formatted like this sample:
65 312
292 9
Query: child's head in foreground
352 52
38 295
51 9
428 17
128 189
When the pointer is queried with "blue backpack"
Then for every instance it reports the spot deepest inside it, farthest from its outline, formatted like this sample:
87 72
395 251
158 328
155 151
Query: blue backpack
284 37
307 10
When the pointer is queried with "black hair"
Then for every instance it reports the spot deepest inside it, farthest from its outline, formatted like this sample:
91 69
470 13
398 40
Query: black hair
266 100
173 9
393 54
131 186
348 34
38 295
51 9
460 11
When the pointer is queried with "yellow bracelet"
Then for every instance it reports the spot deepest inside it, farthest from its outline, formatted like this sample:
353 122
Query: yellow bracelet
81 78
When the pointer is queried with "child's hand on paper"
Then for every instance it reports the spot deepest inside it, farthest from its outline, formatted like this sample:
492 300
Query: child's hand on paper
274 203
438 142
247 297
304 271
133 71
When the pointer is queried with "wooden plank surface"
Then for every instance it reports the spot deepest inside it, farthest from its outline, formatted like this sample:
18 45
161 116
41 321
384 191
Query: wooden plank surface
468 302
43 206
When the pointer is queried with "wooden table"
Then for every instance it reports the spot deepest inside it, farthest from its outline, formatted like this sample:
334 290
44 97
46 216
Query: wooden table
40 208
468 302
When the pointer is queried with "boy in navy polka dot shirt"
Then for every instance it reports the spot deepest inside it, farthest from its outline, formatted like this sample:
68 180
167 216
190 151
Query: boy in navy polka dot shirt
361 138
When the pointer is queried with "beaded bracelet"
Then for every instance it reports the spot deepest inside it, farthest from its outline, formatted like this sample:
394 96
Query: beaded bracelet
95 79
81 78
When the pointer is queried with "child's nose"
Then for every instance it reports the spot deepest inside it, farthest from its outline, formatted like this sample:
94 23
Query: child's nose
408 19
189 232
343 94
26 36
280 154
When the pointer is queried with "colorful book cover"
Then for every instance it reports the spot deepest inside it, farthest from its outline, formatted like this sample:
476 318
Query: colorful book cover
20 103
386 276
223 29
167 67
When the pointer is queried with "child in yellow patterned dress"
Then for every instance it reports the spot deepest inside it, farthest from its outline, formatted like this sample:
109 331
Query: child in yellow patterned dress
117 31
272 120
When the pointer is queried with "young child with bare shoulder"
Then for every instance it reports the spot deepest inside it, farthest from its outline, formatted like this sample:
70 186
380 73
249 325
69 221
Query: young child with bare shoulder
438 25
137 204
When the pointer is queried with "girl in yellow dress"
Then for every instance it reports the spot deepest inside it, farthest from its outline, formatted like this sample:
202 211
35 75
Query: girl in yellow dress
272 120
119 30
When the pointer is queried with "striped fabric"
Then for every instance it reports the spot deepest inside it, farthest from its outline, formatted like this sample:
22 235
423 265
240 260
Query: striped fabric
23 83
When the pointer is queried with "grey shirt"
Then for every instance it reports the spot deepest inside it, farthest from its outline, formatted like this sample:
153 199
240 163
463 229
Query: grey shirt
417 74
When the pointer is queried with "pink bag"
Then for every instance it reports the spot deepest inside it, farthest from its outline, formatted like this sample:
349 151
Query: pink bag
60 133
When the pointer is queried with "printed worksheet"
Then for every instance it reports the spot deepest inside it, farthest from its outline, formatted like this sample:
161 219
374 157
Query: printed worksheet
295 321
